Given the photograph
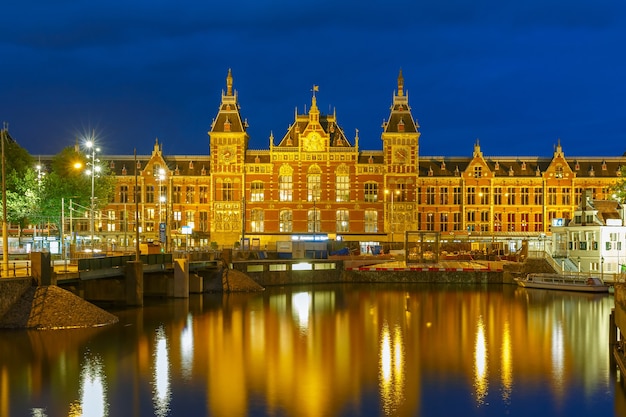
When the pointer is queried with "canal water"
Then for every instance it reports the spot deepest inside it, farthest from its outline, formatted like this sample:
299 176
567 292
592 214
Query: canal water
341 350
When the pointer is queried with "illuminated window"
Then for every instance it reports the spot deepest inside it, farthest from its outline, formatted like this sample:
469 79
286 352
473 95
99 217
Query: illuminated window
257 220
371 221
343 221
257 191
286 221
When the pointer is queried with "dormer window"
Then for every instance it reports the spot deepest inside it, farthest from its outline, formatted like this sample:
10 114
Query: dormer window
124 170
511 172
112 165
176 171
592 173
538 172
203 171
190 164
497 166
227 125
523 166
430 171
577 166
456 171
443 165
401 126
603 165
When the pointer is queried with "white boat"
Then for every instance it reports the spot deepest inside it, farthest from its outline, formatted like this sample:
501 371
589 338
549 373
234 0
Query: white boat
563 282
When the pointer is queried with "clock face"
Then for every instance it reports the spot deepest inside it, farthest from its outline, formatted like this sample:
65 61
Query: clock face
313 143
401 155
226 154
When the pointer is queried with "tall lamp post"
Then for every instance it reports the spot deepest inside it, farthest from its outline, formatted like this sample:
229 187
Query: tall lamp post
40 175
92 171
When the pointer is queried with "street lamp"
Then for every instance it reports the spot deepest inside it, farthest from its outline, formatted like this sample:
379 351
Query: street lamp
162 201
92 171
40 175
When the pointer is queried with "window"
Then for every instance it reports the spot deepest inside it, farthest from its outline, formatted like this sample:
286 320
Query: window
342 187
189 194
177 191
285 188
566 196
150 194
313 187
497 222
204 194
257 220
510 219
552 196
525 196
456 221
510 196
430 195
456 196
227 191
137 194
525 221
401 193
313 220
343 221
371 192
285 221
443 196
484 196
471 195
123 194
538 196
257 191
538 222
111 220
430 221
371 221
443 222
478 171
497 196
204 221
176 219
150 214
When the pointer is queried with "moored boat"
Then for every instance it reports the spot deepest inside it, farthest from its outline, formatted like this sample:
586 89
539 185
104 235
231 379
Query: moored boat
563 282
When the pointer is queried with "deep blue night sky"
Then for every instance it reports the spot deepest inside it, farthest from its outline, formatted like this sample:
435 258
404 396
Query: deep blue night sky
518 77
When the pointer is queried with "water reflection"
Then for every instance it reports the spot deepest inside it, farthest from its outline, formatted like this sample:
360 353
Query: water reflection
93 393
161 382
481 382
325 351
392 372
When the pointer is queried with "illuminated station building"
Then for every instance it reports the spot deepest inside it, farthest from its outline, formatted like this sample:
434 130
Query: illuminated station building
316 183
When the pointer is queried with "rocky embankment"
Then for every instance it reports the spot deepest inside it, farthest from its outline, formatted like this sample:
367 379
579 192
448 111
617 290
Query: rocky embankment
50 307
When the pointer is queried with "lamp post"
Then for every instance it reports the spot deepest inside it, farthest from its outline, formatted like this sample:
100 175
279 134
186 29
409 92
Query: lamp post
602 268
40 175
162 201
91 146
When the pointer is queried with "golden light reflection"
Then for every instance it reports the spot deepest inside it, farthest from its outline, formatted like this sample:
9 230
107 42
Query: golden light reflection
506 365
161 375
186 348
93 393
391 372
557 351
481 381
301 303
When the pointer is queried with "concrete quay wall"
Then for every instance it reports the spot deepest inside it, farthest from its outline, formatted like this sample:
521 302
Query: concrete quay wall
334 272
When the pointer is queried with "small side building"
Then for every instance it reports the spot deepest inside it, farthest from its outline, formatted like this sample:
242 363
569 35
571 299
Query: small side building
593 240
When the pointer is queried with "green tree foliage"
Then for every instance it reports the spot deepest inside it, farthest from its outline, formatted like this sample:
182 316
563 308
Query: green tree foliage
619 189
68 180
20 182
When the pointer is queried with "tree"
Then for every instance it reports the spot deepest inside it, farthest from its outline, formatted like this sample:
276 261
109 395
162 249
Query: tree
68 180
619 189
21 182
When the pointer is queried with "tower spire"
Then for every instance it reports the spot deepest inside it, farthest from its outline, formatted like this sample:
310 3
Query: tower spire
229 83
400 84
